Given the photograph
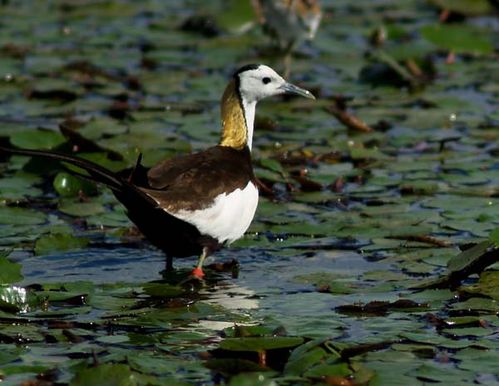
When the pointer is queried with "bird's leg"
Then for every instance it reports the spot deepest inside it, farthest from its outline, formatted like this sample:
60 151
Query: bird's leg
287 64
169 263
198 271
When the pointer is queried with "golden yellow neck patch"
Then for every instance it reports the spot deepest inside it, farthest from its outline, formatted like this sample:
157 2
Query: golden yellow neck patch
234 129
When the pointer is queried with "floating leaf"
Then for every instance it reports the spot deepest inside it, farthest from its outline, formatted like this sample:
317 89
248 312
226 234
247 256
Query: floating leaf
10 272
381 307
465 7
468 257
253 379
105 374
8 355
259 343
163 290
477 304
272 165
235 15
475 360
390 213
305 357
494 237
56 242
329 370
19 187
37 139
488 285
358 153
102 126
459 38
80 209
20 216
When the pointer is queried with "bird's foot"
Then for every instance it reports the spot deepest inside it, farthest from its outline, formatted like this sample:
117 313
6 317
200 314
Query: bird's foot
197 273
195 281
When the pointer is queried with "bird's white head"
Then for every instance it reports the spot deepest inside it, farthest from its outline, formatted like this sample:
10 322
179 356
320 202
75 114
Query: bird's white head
250 84
258 81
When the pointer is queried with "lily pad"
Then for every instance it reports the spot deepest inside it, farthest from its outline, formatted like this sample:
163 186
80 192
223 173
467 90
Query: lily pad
105 374
21 216
163 290
349 218
37 139
10 272
58 242
305 357
459 38
80 209
465 7
494 237
257 344
487 285
256 379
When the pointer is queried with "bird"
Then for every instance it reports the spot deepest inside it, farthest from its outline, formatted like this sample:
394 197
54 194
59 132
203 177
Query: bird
290 22
194 204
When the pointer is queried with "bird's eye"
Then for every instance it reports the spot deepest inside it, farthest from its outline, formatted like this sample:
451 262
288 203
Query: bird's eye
266 80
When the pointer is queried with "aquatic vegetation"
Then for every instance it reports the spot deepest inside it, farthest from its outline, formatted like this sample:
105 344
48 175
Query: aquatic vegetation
373 255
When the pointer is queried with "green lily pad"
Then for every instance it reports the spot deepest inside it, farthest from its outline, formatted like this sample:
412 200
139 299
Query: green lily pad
359 153
459 38
487 285
105 374
257 344
433 373
37 139
80 209
19 187
329 370
305 357
477 304
472 359
10 272
235 15
56 242
467 257
102 126
465 7
494 237
255 378
21 216
163 290
10 354
394 207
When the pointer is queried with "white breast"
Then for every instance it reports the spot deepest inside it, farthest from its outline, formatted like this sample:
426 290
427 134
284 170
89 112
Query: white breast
229 216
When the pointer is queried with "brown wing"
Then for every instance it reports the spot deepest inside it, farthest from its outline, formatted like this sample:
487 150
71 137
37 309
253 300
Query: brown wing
193 181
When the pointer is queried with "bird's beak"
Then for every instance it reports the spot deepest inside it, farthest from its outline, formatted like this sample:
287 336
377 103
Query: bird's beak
292 89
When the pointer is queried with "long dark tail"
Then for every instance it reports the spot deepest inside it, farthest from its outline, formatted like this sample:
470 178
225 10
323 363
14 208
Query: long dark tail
97 173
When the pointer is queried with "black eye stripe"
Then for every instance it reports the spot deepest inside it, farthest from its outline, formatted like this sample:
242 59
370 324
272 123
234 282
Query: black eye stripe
266 80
